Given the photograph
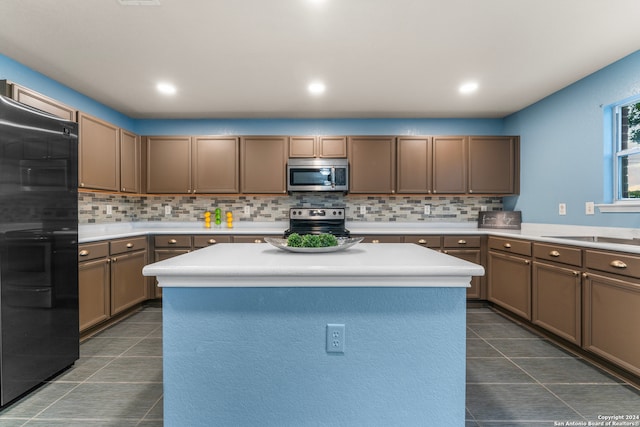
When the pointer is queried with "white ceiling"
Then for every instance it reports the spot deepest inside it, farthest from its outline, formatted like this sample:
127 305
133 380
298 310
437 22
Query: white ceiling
378 58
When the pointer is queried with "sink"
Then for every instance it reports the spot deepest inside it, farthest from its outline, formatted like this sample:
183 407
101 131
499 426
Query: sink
600 239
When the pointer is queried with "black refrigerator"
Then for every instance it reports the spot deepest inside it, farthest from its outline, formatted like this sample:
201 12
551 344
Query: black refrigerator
38 247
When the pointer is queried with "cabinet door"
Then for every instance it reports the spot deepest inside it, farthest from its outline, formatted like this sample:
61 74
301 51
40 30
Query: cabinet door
372 164
264 160
128 285
509 283
215 164
161 255
129 162
332 146
41 102
471 255
93 292
414 164
99 154
168 164
449 164
556 300
611 319
493 164
302 146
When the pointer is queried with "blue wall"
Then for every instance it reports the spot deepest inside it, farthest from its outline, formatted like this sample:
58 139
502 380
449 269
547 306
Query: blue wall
565 148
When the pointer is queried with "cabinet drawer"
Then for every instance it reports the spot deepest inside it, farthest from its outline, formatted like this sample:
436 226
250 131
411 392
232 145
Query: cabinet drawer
612 262
248 239
515 246
558 253
381 239
461 242
128 245
428 241
91 251
175 241
204 241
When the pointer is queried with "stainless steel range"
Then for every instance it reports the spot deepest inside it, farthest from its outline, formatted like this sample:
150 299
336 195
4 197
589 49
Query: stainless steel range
317 221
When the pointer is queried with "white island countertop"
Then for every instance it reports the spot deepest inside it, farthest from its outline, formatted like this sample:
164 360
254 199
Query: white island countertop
365 264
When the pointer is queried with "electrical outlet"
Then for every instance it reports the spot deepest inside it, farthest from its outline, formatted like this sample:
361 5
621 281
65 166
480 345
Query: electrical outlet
109 210
247 210
167 210
335 338
562 209
589 208
483 208
427 209
363 210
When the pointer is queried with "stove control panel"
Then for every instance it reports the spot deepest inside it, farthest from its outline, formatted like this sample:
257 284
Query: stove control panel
316 213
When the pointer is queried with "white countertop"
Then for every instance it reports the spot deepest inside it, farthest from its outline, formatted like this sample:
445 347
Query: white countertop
530 231
363 265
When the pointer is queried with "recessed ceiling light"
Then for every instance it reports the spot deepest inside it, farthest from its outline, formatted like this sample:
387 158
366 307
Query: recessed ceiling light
166 88
316 88
468 87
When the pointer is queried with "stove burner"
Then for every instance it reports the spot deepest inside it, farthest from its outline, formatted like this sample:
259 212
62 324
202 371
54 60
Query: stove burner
317 221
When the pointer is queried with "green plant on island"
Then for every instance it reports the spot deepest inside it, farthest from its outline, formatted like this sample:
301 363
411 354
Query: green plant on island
311 240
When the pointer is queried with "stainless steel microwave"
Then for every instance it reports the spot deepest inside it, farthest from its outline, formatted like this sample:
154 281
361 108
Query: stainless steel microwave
318 175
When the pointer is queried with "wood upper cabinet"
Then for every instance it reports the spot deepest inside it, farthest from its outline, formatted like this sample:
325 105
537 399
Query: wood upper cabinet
494 164
318 146
415 157
168 164
129 162
449 164
263 164
372 164
99 154
37 100
215 164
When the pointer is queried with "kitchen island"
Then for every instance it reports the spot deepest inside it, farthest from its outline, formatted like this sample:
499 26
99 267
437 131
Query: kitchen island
373 335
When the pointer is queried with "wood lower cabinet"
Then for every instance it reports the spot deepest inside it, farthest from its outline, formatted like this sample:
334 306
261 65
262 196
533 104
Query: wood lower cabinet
94 296
469 249
557 290
98 154
381 238
611 301
263 166
128 285
372 164
509 275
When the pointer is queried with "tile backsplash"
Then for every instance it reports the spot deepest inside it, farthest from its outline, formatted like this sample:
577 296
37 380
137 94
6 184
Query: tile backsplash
93 207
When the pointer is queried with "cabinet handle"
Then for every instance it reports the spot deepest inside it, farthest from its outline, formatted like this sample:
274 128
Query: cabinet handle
375 241
173 241
462 242
554 254
108 260
212 241
422 241
576 274
585 275
129 245
616 263
84 252
527 262
114 259
507 245
445 252
82 184
257 241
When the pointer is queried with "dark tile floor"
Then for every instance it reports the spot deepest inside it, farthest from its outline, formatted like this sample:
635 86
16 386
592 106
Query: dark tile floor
514 378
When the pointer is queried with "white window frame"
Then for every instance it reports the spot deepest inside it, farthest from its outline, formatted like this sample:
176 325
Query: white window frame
620 204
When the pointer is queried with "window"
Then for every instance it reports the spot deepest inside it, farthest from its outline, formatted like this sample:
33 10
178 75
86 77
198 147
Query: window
627 152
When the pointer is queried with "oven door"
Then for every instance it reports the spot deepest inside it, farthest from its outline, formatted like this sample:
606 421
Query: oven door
310 178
